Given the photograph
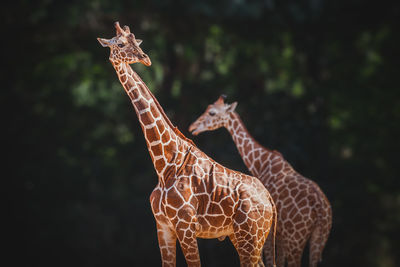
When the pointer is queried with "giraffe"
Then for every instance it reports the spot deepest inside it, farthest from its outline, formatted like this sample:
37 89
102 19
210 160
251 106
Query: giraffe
304 212
195 197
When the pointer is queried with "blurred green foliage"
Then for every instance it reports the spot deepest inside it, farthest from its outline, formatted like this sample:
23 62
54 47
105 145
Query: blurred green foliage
316 80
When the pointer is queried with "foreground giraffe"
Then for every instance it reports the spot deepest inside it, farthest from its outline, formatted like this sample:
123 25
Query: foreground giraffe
195 196
304 212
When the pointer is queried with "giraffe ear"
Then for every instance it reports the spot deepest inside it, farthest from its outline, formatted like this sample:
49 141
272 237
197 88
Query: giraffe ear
139 41
232 107
104 42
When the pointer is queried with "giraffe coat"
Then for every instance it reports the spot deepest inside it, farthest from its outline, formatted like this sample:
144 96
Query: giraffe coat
304 212
195 197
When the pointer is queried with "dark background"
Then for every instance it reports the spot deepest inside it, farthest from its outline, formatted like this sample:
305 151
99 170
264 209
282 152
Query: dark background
316 80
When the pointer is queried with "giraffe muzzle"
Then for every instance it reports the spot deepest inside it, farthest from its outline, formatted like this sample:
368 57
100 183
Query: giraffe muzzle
145 60
196 128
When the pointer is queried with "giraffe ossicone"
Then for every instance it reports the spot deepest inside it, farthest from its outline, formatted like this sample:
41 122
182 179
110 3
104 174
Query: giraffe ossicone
304 212
195 197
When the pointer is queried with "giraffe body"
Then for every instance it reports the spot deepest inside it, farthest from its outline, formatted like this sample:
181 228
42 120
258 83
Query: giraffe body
304 212
205 200
195 196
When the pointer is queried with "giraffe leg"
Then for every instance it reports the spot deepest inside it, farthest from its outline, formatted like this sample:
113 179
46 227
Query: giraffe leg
167 244
280 254
268 250
187 240
294 258
295 251
235 243
319 237
317 244
294 248
260 263
248 245
243 259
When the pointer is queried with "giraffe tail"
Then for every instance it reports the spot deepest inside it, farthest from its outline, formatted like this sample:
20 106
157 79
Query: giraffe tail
274 231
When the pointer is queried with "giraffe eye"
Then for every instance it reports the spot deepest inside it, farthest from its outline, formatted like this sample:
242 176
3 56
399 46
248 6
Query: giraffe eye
212 113
121 45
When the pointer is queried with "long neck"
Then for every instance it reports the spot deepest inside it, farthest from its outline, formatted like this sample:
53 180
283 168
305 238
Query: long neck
164 141
254 155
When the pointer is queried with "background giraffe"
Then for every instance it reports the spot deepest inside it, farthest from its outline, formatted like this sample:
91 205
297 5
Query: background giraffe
304 212
195 196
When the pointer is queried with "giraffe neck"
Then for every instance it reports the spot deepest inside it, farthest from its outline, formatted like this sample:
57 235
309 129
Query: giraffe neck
250 150
164 141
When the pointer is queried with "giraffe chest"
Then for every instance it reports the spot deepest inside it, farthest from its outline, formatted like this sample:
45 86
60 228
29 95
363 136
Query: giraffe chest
174 200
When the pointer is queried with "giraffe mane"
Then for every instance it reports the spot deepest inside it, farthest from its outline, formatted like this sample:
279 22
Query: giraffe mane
170 124
247 131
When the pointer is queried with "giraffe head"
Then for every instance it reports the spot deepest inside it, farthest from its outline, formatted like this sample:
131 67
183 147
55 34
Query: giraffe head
125 47
215 116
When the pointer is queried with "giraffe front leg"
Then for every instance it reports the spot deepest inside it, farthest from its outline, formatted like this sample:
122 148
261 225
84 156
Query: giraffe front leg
186 233
167 244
